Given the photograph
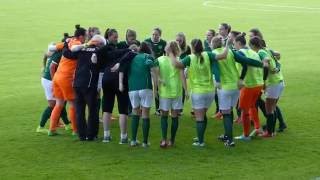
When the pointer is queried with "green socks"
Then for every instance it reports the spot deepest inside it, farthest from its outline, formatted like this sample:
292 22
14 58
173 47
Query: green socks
164 127
145 129
205 121
227 122
45 116
200 130
134 126
174 128
270 123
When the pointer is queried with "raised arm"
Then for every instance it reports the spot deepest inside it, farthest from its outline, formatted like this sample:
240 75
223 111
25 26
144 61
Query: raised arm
224 54
240 58
180 64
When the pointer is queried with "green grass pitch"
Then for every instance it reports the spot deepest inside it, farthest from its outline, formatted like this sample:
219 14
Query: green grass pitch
27 26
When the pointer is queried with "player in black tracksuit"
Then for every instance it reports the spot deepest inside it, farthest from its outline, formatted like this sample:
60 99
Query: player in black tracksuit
109 55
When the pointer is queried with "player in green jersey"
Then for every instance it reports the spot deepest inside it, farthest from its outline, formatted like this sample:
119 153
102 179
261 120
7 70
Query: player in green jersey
138 67
274 84
201 64
171 81
185 51
261 102
157 44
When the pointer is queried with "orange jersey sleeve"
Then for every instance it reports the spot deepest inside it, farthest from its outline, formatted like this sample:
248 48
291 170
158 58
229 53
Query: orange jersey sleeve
59 46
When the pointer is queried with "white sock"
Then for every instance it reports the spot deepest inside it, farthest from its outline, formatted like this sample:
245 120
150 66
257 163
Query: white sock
124 136
106 133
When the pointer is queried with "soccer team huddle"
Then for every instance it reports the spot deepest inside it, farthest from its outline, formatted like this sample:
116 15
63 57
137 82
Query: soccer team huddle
88 71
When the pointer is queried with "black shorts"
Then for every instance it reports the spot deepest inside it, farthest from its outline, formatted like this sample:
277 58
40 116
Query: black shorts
110 91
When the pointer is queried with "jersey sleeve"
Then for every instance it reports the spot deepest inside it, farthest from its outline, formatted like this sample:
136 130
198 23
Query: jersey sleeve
186 61
156 63
214 66
59 46
149 61
263 55
240 58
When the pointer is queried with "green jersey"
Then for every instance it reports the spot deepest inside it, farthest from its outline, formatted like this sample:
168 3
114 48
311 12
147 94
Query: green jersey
207 46
125 45
139 75
273 78
55 57
186 52
172 86
254 75
157 47
229 74
200 74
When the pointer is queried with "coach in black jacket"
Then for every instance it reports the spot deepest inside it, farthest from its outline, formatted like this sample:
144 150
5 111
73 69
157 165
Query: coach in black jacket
85 85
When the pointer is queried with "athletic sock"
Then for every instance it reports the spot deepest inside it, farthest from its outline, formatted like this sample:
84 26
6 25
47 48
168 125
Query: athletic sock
106 133
54 118
274 121
64 116
232 114
270 118
174 128
45 116
72 114
134 126
124 136
200 130
205 121
227 122
280 117
145 128
255 117
246 123
164 127
216 100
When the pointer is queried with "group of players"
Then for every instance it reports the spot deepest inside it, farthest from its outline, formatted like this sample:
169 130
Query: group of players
224 68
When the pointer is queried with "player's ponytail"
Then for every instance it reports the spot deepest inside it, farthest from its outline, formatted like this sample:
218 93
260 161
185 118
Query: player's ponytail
197 49
256 32
256 42
241 38
77 26
174 48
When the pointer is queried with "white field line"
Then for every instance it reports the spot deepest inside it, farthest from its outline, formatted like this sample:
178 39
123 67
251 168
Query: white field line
260 7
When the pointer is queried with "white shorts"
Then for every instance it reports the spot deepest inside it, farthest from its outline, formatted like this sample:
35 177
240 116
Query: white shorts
167 104
47 86
228 98
274 91
201 101
141 98
99 87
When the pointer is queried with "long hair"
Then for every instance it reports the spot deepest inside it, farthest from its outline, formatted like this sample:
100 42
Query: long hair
145 48
197 47
183 45
174 48
131 33
256 42
216 42
241 38
256 32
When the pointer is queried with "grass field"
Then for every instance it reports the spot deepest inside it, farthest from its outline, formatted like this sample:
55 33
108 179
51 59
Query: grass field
27 26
